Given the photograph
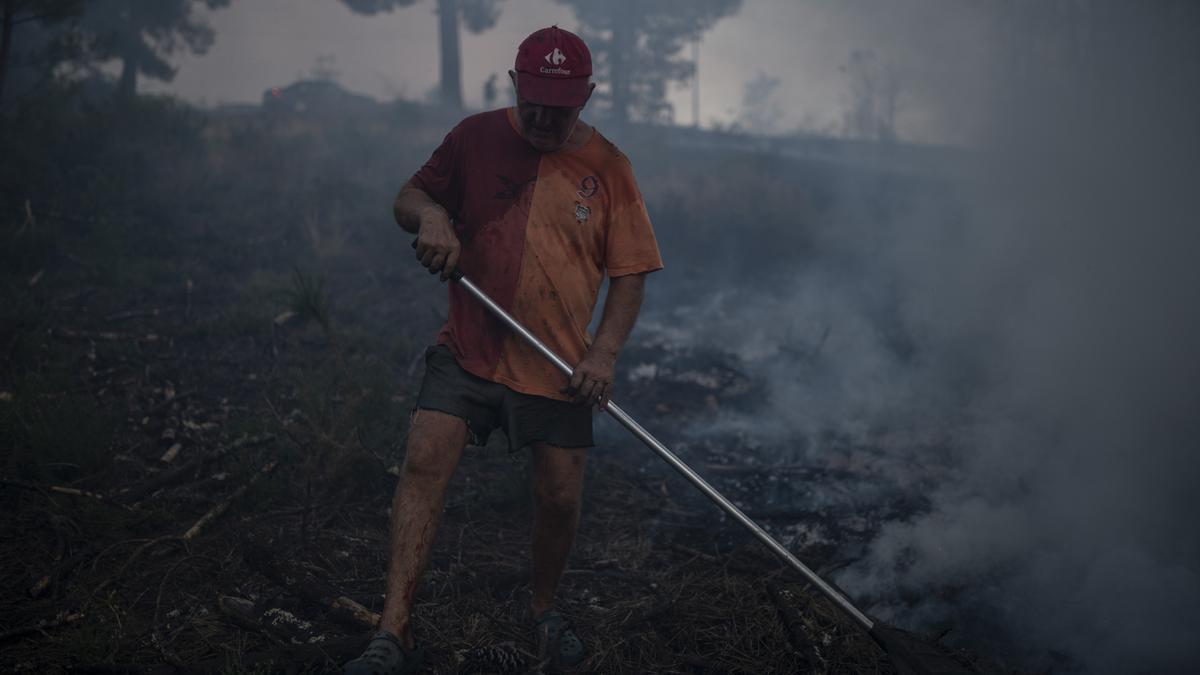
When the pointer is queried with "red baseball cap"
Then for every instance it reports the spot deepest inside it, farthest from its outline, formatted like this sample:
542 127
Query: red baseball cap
554 67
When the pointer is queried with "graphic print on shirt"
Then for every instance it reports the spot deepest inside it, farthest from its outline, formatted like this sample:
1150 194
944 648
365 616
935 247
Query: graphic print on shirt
520 190
588 187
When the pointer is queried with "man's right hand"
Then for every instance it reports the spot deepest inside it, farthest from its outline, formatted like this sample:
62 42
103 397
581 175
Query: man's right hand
438 247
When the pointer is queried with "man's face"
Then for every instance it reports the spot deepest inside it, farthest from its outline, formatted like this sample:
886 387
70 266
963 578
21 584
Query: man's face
547 128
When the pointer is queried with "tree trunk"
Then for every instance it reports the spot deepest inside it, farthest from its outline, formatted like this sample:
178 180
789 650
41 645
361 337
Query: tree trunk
127 85
619 55
451 85
10 8
129 46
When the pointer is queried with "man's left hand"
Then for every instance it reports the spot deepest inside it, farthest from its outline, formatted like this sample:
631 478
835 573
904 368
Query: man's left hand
591 382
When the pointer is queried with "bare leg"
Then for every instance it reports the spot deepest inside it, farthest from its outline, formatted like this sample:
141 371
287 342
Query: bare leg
435 444
557 488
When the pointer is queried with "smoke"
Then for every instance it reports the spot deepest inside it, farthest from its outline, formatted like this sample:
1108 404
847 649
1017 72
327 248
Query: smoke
1038 303
1074 280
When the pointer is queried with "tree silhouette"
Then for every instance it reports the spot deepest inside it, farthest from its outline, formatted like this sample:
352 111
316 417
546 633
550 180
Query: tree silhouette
636 47
761 111
143 34
35 14
874 97
476 15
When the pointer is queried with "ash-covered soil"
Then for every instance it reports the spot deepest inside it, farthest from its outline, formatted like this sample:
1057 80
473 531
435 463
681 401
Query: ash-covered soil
296 432
205 383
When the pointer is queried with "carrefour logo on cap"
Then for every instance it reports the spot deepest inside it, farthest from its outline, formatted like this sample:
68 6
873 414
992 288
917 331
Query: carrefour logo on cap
555 58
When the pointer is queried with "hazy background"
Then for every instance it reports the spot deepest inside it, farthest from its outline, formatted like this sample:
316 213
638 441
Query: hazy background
803 44
988 294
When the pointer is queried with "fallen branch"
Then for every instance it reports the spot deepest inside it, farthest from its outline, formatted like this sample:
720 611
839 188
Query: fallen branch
63 569
216 511
59 489
63 619
129 561
179 473
193 531
107 335
133 314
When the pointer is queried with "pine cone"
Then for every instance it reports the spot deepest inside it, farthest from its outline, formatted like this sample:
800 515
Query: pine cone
501 659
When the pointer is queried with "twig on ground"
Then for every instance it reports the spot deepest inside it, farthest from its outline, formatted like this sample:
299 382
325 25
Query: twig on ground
191 533
129 561
61 570
106 335
62 619
177 474
216 511
163 405
59 489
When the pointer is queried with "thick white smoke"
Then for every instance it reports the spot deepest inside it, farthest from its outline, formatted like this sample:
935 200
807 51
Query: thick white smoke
1041 305
1073 285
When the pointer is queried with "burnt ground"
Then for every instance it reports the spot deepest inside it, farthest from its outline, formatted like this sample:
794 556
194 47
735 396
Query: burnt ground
201 424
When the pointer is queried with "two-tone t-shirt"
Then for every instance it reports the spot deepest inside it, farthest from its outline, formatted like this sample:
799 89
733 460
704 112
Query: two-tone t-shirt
539 232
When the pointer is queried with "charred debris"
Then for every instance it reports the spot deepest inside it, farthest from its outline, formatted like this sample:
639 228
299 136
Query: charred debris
210 340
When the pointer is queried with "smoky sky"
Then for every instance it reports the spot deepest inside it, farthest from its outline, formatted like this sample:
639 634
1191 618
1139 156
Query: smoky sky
804 45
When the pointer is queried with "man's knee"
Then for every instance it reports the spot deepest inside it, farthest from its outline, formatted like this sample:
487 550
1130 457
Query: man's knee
559 501
558 480
434 445
426 464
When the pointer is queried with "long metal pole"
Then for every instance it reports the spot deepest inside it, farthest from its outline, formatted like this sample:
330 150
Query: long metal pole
678 464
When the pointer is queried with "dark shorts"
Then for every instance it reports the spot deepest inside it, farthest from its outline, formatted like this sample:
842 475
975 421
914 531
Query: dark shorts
487 405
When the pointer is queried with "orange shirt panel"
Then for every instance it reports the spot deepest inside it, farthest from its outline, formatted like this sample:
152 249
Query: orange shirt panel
587 219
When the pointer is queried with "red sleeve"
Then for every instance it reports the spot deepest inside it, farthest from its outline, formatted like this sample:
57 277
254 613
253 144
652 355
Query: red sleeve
442 175
630 246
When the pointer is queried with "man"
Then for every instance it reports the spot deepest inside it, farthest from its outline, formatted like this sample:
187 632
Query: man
536 208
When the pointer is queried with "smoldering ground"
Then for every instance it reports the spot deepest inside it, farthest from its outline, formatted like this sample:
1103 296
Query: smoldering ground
983 369
1032 305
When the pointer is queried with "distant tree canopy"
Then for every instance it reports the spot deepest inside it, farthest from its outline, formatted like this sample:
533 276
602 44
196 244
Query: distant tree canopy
636 47
477 15
30 19
144 33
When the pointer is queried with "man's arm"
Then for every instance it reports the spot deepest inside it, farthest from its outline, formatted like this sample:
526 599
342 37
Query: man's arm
438 247
593 377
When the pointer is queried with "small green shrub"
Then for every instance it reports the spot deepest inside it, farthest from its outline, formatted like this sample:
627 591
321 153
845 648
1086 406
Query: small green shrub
308 299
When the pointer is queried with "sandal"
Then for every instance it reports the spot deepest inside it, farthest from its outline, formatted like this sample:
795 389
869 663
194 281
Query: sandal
557 642
385 655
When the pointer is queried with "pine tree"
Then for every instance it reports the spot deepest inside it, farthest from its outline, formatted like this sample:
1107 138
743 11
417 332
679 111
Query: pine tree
636 49
476 15
143 34
32 16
